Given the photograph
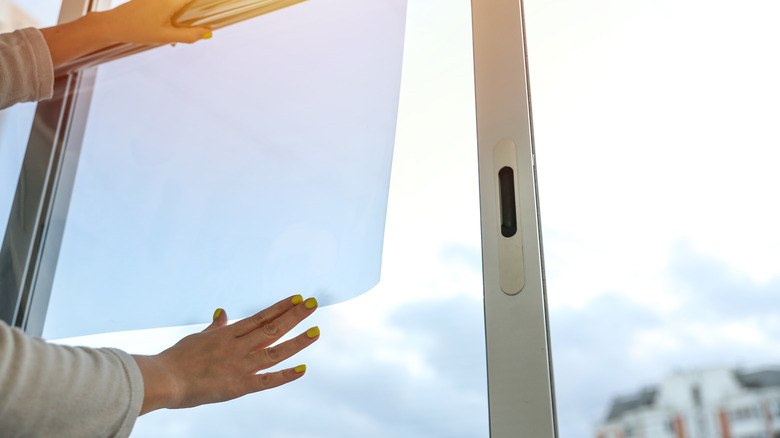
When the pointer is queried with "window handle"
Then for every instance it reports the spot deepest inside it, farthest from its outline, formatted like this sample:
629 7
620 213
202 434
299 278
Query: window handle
509 230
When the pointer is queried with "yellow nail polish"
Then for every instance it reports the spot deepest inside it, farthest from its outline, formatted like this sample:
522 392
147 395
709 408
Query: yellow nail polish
310 303
208 35
300 368
217 313
297 299
313 332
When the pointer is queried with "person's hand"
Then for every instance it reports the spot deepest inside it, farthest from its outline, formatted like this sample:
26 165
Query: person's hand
221 363
149 22
136 22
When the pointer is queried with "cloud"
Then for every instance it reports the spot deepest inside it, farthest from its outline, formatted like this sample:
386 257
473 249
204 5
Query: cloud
590 362
418 372
713 290
417 369
616 344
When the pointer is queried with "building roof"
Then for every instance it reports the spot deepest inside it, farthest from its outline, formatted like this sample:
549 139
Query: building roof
621 405
759 379
767 378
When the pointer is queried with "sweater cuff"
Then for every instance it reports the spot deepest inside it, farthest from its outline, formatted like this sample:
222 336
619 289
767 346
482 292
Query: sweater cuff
136 382
42 63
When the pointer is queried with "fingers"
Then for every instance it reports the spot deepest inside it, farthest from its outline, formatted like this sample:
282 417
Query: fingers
268 357
259 382
260 319
270 331
149 22
178 4
187 34
218 320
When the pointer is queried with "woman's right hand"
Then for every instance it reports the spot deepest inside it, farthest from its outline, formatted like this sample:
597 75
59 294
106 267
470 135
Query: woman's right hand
137 22
149 22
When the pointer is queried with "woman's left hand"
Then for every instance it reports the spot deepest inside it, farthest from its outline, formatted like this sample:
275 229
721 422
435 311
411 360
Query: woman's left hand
221 363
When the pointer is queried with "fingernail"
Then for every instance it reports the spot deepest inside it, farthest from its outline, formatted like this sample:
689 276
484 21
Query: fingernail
297 300
313 332
300 368
217 313
208 35
310 303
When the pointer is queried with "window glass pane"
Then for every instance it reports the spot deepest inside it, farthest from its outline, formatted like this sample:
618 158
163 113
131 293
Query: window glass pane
223 172
657 142
15 124
18 14
406 358
16 121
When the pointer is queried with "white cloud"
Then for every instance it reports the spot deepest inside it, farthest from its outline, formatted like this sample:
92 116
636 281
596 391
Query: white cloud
616 344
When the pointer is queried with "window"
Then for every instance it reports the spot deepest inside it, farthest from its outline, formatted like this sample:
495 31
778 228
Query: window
15 122
406 358
507 310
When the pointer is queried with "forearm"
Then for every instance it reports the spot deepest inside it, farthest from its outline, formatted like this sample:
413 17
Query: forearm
85 35
137 22
55 390
159 385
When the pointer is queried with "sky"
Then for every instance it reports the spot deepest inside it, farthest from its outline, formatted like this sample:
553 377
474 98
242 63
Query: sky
657 154
656 147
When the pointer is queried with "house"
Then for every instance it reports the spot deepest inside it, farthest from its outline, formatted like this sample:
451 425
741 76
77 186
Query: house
707 403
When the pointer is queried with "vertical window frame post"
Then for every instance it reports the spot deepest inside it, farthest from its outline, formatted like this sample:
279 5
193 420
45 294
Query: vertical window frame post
30 247
520 376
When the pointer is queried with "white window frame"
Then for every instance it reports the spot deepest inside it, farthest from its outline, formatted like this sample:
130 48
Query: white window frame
520 376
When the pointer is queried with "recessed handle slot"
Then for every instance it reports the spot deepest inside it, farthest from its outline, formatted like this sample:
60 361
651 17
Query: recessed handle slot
509 228
506 187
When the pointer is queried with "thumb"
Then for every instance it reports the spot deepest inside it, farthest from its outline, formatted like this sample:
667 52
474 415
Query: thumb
188 34
218 320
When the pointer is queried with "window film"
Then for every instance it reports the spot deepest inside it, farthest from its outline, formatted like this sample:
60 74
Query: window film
223 172
407 358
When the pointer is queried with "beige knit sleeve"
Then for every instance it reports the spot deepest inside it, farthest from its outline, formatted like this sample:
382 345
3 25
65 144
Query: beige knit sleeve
26 69
49 390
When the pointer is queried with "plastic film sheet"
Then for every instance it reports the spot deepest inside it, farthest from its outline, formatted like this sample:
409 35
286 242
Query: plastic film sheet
235 171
